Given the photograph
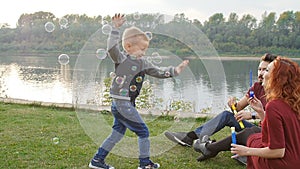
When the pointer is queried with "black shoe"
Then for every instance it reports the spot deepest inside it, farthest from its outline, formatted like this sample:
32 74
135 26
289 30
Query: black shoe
200 145
180 137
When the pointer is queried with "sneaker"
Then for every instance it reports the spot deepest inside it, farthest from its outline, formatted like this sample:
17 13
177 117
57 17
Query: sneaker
150 166
201 146
197 144
99 164
180 138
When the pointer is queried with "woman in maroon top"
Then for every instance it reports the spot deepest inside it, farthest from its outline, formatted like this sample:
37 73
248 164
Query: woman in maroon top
277 146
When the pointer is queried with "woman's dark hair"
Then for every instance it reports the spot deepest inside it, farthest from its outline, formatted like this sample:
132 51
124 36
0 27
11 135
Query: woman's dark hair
268 57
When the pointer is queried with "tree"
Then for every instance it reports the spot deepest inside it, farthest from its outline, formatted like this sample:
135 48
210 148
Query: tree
264 33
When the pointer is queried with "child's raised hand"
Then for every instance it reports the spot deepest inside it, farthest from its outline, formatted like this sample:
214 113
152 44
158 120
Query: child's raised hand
118 20
181 66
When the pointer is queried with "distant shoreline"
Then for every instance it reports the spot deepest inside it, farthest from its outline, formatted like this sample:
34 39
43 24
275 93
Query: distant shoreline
233 58
220 57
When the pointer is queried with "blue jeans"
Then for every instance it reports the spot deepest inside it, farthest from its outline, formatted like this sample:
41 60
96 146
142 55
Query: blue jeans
126 116
226 118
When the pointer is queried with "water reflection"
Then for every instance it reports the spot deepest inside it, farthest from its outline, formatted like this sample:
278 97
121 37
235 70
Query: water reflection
36 84
44 79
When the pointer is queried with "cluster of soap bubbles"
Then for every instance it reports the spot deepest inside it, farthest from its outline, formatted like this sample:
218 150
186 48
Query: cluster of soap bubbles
106 27
63 22
50 26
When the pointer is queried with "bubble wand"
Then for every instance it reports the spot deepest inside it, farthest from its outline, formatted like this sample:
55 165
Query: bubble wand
251 93
233 135
235 112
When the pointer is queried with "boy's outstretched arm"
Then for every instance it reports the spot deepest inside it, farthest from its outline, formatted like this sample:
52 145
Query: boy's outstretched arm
181 67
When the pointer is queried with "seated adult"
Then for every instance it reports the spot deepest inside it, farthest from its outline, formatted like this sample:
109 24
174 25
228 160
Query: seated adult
227 118
275 145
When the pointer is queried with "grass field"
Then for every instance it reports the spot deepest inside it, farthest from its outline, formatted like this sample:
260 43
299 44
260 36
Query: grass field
27 132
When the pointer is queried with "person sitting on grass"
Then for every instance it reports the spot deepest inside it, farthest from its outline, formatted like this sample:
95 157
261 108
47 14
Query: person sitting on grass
275 144
227 118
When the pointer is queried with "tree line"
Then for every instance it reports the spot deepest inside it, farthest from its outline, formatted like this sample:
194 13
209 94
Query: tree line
234 35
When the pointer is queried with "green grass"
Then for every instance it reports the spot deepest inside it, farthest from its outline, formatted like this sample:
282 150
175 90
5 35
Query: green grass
26 134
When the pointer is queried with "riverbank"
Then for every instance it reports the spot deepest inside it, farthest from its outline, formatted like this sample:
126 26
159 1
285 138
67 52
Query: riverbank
99 108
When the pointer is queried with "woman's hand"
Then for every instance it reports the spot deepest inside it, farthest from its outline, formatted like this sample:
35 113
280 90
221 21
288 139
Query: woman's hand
265 152
239 150
256 104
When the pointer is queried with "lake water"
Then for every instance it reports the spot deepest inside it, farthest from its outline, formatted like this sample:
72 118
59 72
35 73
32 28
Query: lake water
43 79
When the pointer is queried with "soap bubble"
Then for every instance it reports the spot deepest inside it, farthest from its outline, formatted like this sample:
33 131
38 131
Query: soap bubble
149 59
49 27
156 58
136 16
101 54
112 74
120 80
63 22
176 119
123 92
106 29
55 140
63 59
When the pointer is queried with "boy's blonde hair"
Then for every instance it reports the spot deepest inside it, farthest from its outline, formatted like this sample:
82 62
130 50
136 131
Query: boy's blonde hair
133 35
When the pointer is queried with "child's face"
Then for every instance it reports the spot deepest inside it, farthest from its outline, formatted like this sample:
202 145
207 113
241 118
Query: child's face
137 49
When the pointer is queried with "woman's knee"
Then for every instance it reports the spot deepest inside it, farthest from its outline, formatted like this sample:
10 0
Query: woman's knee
249 131
255 129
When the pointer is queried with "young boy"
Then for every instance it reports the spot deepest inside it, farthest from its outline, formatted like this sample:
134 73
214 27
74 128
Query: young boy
130 70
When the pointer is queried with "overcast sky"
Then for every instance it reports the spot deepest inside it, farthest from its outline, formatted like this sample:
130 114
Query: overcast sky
10 10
